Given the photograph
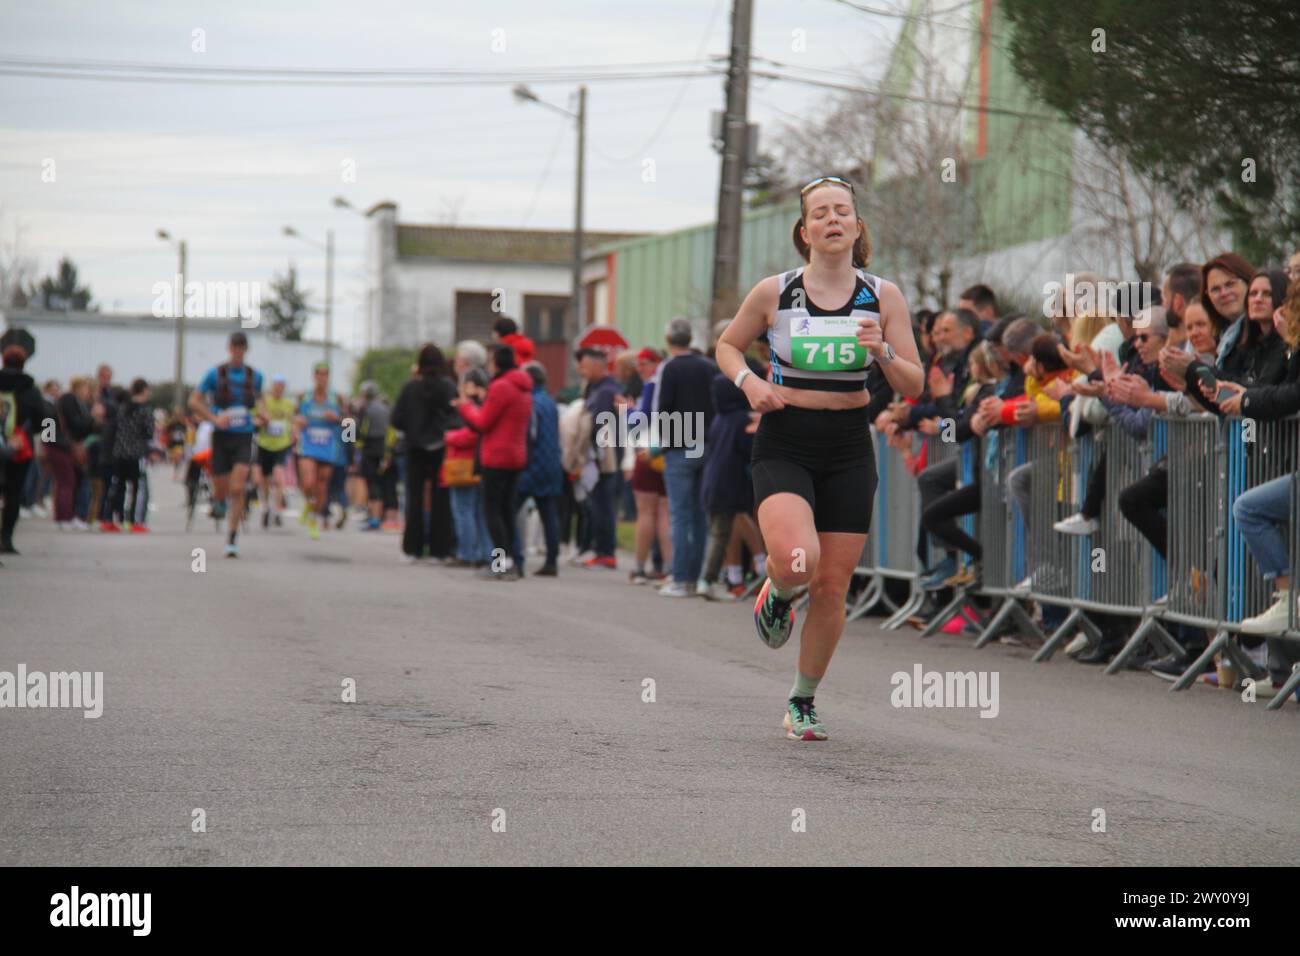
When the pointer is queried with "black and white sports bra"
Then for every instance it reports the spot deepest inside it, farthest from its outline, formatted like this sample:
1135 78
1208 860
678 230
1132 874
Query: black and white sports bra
816 348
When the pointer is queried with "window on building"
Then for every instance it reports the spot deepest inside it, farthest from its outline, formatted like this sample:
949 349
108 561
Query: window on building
474 316
544 317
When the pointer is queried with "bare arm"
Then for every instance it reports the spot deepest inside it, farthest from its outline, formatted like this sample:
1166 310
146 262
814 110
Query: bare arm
904 372
752 320
199 406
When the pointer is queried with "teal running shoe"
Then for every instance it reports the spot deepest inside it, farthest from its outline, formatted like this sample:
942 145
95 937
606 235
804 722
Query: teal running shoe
773 617
801 720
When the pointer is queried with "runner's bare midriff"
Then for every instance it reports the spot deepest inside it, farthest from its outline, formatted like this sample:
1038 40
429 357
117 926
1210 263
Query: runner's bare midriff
810 398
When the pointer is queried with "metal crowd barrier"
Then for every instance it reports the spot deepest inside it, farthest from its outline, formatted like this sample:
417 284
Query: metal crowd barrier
1292 683
1209 581
1248 453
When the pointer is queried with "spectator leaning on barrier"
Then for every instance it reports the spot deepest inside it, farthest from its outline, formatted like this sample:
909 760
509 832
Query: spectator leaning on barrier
946 385
938 517
1263 513
684 394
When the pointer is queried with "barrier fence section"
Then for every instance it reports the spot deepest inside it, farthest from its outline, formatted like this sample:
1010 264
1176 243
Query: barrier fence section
1247 453
1207 580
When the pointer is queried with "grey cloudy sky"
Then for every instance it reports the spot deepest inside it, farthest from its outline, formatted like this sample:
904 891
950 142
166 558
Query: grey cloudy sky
227 167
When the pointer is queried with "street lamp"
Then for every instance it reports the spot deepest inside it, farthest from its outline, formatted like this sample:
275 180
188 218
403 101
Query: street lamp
574 318
179 310
340 202
329 281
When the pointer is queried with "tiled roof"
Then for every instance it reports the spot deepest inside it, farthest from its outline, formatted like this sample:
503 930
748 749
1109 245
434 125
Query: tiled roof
496 245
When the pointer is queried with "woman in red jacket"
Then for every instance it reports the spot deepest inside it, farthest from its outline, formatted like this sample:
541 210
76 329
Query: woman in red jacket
502 420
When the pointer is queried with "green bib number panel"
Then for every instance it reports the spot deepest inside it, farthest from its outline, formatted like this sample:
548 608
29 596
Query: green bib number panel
826 343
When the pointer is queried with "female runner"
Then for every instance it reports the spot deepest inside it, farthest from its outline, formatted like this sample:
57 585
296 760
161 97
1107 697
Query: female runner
814 467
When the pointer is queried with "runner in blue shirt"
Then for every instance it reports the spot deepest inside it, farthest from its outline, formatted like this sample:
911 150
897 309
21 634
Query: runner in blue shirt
229 396
320 423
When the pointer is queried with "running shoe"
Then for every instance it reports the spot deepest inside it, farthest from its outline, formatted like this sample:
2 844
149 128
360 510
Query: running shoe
602 561
109 527
637 577
218 510
232 550
313 528
773 617
1077 524
305 515
139 529
801 720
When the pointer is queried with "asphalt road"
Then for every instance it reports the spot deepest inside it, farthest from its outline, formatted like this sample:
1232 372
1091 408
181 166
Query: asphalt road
522 703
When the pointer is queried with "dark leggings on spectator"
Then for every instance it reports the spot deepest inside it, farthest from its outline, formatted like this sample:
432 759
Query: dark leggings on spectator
1096 491
126 471
940 519
499 507
1143 503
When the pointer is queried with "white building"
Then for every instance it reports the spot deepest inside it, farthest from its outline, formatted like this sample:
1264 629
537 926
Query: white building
444 284
77 343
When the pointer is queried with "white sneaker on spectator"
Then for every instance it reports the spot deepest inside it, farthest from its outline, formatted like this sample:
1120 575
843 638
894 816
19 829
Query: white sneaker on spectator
78 525
40 511
717 591
581 558
1077 524
677 589
1078 644
1272 621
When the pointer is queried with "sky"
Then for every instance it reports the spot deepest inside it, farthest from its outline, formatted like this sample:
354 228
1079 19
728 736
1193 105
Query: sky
227 167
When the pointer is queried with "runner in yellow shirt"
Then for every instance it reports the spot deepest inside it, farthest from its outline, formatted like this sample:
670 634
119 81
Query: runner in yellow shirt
274 438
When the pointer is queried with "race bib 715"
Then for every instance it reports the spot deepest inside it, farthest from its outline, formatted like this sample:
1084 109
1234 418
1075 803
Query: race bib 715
826 343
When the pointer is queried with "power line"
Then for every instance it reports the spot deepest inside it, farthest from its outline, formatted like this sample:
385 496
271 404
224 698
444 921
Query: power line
976 108
122 72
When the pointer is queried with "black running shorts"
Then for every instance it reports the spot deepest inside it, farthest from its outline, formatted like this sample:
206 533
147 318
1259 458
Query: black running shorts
825 457
269 460
230 449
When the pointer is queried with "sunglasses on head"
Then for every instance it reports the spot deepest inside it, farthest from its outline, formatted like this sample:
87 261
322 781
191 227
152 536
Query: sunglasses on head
825 180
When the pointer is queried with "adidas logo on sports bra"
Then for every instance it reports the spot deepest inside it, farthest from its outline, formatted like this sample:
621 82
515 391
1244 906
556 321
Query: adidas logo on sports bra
816 348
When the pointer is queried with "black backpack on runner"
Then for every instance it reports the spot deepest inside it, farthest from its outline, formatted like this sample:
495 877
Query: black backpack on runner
225 397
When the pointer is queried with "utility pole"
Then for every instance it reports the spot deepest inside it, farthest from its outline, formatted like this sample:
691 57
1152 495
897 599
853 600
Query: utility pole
576 317
735 146
179 399
329 293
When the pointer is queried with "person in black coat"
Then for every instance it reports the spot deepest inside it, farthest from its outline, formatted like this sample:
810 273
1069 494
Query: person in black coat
725 489
19 427
422 413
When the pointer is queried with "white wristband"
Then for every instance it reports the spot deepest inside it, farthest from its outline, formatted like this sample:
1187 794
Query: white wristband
740 376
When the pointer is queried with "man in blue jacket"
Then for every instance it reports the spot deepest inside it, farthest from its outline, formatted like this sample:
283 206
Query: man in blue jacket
543 477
